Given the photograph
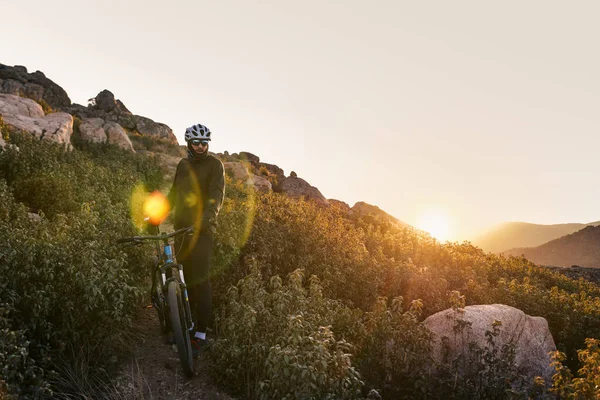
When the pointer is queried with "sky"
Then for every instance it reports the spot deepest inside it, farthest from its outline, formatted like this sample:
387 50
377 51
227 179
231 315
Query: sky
469 112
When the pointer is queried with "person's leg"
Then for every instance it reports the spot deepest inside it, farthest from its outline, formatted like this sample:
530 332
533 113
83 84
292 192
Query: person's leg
203 257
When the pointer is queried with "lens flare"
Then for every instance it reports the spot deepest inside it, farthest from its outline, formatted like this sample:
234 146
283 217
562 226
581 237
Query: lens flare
156 207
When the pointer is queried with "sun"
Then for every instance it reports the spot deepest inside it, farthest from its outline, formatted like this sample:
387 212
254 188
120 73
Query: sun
436 222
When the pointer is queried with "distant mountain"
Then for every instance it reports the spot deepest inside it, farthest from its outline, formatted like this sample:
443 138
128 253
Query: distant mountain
580 248
511 235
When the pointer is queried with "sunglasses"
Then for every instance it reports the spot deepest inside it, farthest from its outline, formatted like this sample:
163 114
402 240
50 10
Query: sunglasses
198 142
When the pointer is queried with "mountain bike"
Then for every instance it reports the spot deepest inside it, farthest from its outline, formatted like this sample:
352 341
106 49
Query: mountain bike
169 293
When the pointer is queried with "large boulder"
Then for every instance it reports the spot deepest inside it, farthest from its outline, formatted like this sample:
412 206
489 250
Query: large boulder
16 80
27 116
299 188
146 126
236 170
260 183
97 130
530 336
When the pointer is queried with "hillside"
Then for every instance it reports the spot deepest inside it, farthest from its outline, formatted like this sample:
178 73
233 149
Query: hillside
512 235
581 248
312 298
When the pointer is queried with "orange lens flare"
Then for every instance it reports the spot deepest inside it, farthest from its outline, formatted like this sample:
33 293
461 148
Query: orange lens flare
156 207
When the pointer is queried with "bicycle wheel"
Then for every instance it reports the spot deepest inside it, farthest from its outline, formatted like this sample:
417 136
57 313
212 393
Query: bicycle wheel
180 330
158 302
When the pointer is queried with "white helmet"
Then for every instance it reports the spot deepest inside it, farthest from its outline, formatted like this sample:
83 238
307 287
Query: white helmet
197 131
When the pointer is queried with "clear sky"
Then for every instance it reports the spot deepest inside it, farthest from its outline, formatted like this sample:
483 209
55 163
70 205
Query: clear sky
484 111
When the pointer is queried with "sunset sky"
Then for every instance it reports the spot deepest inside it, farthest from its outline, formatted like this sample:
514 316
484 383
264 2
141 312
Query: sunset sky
476 112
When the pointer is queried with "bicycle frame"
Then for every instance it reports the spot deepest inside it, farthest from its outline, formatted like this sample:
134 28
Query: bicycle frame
166 261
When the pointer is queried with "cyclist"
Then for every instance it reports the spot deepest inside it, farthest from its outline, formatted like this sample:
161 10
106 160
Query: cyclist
195 198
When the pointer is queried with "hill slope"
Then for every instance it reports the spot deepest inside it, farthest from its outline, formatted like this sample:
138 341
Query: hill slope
580 248
512 235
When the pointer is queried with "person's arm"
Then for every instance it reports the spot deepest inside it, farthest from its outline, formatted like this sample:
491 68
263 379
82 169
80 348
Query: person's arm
216 192
172 196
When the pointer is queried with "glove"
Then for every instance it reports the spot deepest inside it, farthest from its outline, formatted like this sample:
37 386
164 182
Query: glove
209 225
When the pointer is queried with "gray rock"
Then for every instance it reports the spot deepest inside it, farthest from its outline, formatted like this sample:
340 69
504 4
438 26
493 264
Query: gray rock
19 81
11 105
97 130
34 91
105 101
146 126
236 170
530 335
260 183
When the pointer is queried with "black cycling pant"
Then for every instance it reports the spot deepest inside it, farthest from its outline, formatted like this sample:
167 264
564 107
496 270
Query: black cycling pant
195 254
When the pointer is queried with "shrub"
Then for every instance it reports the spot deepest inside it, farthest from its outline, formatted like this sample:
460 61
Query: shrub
274 342
587 383
70 290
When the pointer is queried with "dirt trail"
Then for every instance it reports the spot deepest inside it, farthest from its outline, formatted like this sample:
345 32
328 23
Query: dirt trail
153 370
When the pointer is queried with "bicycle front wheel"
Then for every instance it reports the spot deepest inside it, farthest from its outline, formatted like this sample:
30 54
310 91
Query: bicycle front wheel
180 330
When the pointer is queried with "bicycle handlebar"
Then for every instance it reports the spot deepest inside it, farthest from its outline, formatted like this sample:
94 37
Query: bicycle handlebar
139 239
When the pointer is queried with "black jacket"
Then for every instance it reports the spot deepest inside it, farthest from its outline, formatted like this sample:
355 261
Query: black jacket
197 193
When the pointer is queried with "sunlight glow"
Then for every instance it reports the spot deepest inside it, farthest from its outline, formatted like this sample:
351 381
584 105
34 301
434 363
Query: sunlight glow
436 222
156 207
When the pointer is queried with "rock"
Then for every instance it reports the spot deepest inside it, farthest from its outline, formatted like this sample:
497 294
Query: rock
273 169
105 101
117 135
91 130
34 91
146 126
27 116
15 105
245 156
236 170
299 188
16 80
260 183
97 130
128 121
530 335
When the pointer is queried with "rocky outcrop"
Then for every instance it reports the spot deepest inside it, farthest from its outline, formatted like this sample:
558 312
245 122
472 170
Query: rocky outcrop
299 188
26 115
17 81
97 130
106 107
530 336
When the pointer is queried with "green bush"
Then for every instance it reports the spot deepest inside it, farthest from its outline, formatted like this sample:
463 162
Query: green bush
275 343
69 288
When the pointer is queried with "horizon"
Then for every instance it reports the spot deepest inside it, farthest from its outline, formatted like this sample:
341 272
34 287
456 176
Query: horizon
463 116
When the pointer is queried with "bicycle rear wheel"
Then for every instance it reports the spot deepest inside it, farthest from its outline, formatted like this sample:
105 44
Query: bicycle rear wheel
158 302
180 330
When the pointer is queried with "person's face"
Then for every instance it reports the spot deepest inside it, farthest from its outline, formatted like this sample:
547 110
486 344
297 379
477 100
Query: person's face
199 146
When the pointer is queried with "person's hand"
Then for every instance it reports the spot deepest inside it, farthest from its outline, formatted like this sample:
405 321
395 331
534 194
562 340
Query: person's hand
209 225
